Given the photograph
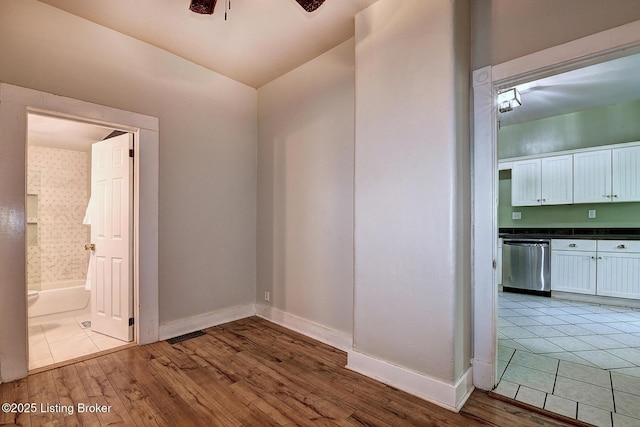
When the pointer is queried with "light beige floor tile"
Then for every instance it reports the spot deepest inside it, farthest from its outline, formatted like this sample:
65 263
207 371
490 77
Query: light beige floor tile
634 372
511 344
39 349
626 383
631 355
104 342
507 388
584 373
539 345
72 348
561 406
582 392
535 361
531 396
620 420
505 353
571 343
627 404
603 359
570 357
531 378
596 416
63 333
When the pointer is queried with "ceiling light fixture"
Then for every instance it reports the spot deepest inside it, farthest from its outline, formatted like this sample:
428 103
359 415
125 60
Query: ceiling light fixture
310 5
508 100
204 7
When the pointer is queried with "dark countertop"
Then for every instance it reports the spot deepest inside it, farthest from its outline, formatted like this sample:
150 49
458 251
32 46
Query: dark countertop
572 233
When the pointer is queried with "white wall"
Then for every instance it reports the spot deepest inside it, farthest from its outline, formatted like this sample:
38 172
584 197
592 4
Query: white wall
412 265
208 135
305 190
508 29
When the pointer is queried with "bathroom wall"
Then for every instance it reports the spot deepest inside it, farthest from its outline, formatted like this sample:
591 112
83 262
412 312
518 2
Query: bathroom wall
58 192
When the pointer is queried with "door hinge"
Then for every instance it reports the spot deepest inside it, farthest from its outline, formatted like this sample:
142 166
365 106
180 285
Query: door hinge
131 152
130 321
495 264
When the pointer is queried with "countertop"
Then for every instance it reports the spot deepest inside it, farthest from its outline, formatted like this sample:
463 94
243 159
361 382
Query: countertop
572 233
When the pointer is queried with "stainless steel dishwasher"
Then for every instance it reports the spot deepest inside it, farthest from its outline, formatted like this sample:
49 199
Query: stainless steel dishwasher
526 265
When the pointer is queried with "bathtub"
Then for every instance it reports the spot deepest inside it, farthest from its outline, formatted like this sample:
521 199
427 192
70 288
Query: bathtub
59 300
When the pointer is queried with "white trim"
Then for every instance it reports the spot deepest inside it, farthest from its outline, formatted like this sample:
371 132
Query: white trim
609 44
449 396
203 321
332 337
16 103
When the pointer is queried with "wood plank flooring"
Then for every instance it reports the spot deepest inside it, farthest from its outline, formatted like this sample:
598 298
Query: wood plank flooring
246 373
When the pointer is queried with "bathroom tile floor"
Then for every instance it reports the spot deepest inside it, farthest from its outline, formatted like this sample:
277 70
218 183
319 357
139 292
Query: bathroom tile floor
577 359
63 339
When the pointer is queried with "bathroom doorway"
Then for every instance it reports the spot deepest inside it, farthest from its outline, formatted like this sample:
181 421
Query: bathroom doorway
59 282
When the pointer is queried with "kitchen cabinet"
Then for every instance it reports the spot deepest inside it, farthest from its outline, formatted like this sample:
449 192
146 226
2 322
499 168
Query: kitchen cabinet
611 175
573 266
592 176
542 181
618 268
625 178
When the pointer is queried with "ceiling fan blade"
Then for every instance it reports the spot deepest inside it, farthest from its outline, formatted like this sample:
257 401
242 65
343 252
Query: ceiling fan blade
204 7
310 5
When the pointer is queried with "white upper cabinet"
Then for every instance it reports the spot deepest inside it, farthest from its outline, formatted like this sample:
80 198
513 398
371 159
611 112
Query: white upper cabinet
592 176
545 181
526 183
626 174
557 180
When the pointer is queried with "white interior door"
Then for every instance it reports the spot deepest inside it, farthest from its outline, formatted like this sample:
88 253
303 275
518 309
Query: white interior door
111 275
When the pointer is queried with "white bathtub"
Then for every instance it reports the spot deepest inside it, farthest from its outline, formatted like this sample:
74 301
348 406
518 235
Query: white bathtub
60 299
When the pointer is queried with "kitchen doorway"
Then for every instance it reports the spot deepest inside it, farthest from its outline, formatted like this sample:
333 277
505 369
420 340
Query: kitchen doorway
487 82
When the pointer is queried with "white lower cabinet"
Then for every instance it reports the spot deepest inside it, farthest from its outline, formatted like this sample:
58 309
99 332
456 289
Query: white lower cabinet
603 267
573 266
619 268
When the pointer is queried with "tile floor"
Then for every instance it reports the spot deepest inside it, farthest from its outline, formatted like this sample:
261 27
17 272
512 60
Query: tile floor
577 359
63 339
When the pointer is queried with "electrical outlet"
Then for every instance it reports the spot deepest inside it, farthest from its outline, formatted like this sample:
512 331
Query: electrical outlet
516 215
267 296
592 213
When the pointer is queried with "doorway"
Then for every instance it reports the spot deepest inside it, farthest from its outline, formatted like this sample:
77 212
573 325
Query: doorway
17 102
60 289
487 82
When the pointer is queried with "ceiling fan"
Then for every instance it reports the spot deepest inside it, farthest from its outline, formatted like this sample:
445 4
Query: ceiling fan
206 6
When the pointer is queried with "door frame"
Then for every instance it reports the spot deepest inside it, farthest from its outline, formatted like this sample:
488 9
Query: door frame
15 103
486 82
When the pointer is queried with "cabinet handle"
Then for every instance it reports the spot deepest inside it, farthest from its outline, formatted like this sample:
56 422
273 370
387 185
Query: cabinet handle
615 195
622 247
593 257
572 245
599 257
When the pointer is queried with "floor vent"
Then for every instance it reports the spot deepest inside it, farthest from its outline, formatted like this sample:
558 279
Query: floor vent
86 324
185 337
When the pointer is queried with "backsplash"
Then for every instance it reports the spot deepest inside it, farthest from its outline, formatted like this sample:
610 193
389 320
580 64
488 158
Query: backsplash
58 188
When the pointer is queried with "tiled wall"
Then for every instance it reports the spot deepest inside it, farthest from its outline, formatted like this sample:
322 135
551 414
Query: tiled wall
58 191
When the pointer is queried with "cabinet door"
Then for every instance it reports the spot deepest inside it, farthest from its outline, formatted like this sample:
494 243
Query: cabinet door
592 177
619 274
557 180
573 271
626 174
525 183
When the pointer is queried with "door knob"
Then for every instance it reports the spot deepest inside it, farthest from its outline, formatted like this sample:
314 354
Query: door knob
90 247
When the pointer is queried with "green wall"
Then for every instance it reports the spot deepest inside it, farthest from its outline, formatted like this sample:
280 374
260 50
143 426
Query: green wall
601 126
590 128
608 215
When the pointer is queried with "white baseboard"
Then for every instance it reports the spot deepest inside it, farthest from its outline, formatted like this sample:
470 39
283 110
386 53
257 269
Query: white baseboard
337 339
184 326
449 396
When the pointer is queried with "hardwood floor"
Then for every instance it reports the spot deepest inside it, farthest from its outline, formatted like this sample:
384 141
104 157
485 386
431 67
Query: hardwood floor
246 373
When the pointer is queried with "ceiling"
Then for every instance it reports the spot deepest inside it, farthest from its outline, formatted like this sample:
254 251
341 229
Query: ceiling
260 41
612 82
64 134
